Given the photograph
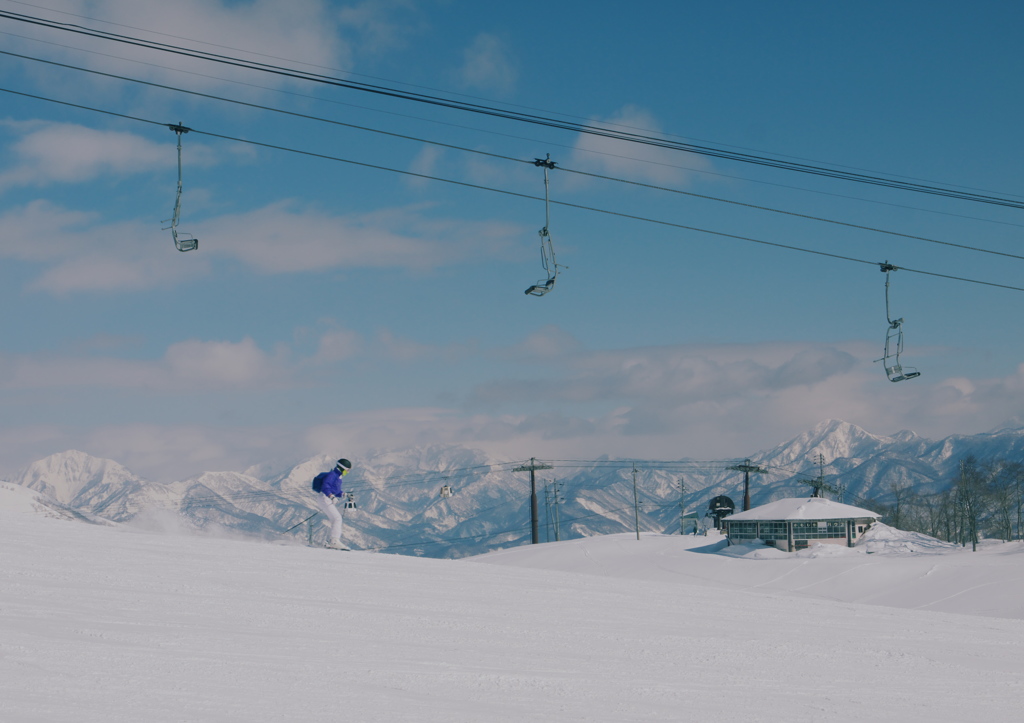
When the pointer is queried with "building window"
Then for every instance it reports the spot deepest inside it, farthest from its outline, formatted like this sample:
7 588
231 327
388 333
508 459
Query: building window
773 531
742 530
819 529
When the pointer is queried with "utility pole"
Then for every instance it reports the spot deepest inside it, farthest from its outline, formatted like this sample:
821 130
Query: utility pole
636 504
532 469
820 486
558 521
682 505
746 468
548 517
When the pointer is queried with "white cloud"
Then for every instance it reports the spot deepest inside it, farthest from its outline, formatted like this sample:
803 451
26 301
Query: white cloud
284 238
378 26
703 401
78 253
488 66
635 161
667 375
215 365
337 345
165 453
424 163
67 153
223 364
186 366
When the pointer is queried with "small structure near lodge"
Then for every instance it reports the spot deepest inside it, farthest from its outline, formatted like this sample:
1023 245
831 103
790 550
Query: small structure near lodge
794 523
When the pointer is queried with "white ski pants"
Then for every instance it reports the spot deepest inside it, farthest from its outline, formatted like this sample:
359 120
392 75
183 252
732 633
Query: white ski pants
333 514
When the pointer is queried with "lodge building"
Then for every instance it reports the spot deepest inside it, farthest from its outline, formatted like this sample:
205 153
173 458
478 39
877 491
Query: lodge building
795 523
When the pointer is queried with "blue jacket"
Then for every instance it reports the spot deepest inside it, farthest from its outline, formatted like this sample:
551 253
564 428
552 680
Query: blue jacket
331 483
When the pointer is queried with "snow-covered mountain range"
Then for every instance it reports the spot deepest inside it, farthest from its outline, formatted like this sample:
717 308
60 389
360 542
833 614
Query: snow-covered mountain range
399 507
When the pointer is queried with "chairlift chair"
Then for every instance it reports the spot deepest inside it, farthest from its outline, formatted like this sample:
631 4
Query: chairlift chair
350 502
184 244
894 369
186 241
446 491
547 249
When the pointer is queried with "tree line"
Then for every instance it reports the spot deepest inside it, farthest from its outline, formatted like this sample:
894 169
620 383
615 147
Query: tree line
983 500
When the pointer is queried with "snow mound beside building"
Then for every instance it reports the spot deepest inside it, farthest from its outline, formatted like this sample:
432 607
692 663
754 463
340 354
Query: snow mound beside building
885 540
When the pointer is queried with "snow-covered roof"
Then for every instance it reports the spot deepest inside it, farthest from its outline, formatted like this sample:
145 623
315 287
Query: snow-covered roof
803 508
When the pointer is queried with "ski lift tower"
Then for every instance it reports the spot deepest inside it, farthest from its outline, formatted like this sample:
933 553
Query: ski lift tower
532 469
746 468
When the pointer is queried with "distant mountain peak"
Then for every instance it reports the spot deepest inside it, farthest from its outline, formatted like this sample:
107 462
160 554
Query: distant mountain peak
832 438
65 475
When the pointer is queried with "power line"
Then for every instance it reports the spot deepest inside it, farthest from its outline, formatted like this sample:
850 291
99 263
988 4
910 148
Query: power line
711 151
515 194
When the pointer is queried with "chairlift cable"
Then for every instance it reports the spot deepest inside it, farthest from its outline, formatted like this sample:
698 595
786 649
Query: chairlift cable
421 87
711 151
271 109
510 158
789 213
641 184
516 194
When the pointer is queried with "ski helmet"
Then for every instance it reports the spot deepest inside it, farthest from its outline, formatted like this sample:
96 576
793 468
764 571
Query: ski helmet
342 466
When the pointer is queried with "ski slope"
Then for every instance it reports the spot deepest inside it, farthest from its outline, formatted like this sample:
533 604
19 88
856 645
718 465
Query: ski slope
110 623
894 568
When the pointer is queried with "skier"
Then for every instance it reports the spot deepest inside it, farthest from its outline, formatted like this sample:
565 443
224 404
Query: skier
328 484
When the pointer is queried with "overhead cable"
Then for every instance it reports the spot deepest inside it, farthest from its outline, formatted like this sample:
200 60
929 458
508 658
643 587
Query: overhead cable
498 156
515 194
578 127
809 217
409 85
575 148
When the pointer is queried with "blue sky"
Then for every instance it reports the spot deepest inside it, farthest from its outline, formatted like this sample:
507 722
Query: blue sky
336 308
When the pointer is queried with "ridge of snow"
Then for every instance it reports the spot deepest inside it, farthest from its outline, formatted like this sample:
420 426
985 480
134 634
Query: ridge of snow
883 539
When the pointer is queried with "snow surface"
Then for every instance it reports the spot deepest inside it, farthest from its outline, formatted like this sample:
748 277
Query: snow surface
110 623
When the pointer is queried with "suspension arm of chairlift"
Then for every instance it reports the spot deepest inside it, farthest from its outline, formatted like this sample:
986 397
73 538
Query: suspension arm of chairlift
893 369
547 249
182 244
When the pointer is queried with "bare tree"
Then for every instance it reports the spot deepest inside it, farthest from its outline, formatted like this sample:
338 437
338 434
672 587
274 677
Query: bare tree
901 509
972 497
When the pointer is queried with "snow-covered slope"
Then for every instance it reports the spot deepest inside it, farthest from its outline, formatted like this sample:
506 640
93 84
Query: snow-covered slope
105 624
21 500
889 567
